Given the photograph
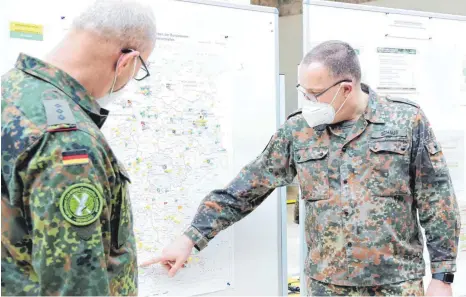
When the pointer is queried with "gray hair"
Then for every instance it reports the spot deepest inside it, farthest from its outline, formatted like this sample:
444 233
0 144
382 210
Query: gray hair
127 22
338 56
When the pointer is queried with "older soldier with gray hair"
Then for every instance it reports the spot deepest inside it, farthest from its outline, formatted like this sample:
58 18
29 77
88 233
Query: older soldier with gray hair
66 215
366 166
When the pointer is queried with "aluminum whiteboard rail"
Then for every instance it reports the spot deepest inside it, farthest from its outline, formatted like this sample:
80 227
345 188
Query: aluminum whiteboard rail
302 245
282 211
384 10
302 209
403 37
282 205
235 6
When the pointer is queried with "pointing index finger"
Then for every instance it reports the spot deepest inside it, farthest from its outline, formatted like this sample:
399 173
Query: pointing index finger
152 261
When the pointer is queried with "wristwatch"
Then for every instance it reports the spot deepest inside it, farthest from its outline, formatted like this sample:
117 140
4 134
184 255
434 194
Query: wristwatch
446 277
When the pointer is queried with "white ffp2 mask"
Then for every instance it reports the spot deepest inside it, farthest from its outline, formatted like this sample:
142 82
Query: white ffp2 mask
317 113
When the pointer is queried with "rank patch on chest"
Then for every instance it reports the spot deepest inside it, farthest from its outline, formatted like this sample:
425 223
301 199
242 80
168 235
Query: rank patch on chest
81 204
76 157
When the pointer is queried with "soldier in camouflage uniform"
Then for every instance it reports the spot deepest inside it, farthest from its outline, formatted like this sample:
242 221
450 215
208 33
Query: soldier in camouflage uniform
66 215
366 166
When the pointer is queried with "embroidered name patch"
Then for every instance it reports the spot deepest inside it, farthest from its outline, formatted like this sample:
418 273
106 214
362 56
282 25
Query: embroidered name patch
389 133
76 157
81 204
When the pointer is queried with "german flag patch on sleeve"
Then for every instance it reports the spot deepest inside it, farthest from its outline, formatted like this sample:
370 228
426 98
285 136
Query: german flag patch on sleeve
75 157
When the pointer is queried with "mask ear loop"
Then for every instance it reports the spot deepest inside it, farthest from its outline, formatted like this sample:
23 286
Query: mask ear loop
134 67
116 68
343 104
115 77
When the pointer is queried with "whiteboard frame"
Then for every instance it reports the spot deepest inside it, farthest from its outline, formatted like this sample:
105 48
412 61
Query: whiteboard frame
281 192
235 6
303 249
280 116
359 7
385 10
301 219
282 204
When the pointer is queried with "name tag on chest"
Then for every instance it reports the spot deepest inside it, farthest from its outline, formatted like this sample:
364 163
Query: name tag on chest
389 133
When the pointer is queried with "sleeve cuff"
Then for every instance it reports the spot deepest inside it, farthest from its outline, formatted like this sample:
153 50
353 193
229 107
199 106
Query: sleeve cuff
200 242
444 266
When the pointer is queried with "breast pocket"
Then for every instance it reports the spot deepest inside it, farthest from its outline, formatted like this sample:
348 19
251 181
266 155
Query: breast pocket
389 161
312 170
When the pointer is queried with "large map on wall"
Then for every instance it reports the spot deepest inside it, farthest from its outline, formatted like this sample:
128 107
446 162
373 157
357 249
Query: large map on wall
172 133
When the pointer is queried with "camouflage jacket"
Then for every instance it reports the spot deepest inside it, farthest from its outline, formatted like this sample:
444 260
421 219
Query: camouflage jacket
362 191
66 215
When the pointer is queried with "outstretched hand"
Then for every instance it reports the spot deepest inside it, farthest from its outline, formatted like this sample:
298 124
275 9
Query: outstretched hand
174 256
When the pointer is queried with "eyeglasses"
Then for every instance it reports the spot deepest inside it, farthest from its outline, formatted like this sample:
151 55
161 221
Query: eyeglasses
144 71
313 97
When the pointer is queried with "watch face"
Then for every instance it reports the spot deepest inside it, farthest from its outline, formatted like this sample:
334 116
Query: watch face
448 277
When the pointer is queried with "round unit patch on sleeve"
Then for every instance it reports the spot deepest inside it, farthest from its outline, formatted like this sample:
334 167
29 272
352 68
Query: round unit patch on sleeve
81 204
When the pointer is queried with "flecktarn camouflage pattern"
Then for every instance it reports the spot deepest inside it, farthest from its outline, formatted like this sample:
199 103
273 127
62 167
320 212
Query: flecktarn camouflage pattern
362 183
66 214
406 288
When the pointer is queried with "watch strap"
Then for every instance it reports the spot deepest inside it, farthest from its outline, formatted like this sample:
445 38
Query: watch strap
445 277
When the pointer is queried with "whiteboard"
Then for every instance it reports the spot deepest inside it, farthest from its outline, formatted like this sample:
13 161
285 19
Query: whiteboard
434 74
209 71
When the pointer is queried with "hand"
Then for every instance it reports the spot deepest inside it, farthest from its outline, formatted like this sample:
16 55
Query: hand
174 255
439 288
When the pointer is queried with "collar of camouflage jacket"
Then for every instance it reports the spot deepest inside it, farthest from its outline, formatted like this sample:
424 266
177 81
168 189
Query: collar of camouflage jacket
374 107
65 83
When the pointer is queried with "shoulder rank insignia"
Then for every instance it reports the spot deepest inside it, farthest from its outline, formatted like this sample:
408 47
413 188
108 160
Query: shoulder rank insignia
299 111
81 204
402 100
59 115
75 157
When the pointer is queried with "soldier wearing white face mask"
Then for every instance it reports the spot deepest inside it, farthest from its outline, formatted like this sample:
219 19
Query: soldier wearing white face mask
67 222
366 166
142 74
318 113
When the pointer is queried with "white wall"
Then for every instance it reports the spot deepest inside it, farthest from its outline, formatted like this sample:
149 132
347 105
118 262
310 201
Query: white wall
439 6
291 52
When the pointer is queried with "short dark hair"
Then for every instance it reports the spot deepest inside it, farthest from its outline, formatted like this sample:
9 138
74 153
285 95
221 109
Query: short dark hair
338 56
